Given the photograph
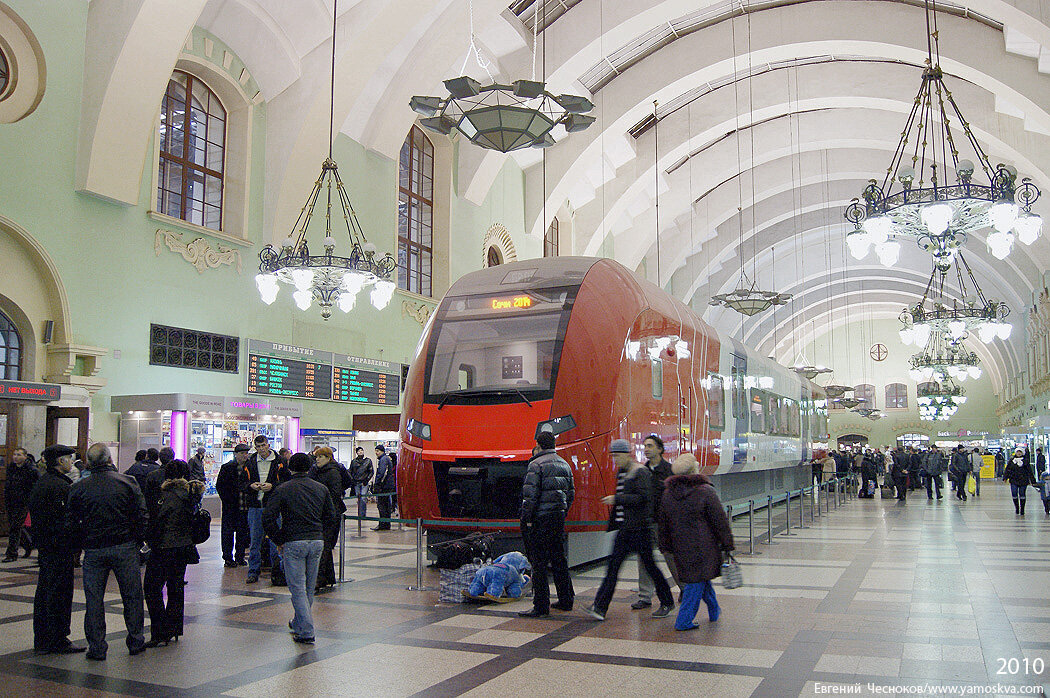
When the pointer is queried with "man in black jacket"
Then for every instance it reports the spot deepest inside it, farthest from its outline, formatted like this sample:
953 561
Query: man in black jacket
53 603
141 468
295 518
661 470
361 471
384 485
21 475
631 517
196 464
109 514
234 519
251 486
546 496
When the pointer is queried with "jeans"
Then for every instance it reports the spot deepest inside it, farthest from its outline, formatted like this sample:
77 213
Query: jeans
123 560
361 490
166 569
255 530
977 484
53 603
301 558
234 523
631 541
545 548
692 595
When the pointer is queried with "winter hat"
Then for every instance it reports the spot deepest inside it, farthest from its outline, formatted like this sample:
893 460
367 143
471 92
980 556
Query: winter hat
620 446
51 454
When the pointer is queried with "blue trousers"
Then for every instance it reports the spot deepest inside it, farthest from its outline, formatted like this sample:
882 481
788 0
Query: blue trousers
692 595
123 561
301 558
255 530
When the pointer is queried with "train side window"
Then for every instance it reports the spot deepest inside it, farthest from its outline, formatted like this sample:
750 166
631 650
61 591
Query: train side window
716 397
657 367
466 376
758 412
794 419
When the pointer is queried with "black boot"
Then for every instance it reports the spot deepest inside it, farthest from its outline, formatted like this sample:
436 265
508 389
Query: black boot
1017 505
1023 500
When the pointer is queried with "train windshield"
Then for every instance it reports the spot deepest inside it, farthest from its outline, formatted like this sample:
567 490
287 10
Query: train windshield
498 348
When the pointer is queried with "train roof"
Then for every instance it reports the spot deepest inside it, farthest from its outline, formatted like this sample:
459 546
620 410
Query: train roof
529 274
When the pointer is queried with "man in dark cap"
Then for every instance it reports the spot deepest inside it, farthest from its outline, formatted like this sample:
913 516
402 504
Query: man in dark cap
546 496
234 516
53 604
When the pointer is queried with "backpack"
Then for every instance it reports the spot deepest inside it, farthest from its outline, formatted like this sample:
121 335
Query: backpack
347 478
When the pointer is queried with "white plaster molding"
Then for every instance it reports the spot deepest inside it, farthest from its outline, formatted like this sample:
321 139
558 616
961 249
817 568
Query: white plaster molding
420 312
499 237
197 252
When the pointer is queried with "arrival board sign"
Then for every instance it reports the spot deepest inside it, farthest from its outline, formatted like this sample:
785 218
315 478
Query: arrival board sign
299 372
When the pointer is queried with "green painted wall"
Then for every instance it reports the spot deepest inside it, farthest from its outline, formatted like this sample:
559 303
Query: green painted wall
118 284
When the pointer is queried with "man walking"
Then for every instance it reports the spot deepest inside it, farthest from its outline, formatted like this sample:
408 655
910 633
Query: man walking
109 513
653 446
384 485
295 518
934 466
21 476
53 603
546 495
631 518
234 518
960 470
976 461
361 471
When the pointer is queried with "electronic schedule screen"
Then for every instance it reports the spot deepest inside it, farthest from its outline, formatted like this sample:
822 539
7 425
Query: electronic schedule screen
284 370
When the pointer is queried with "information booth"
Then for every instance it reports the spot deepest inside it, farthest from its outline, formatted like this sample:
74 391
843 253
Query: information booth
187 422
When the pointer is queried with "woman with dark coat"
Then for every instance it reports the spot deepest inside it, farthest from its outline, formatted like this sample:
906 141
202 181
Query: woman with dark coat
1020 476
330 474
170 538
695 529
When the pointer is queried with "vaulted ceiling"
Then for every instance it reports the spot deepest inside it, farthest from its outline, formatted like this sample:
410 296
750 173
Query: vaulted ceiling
771 115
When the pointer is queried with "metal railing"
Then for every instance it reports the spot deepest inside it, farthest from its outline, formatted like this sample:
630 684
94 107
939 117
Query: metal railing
837 491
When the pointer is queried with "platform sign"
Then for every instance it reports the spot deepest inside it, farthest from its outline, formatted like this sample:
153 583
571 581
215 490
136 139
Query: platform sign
365 381
23 390
287 371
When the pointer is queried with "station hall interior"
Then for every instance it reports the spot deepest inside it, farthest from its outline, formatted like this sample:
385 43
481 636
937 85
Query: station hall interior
763 230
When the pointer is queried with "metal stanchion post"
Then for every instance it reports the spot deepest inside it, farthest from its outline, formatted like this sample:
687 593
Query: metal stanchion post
342 547
769 520
802 508
751 527
419 558
787 514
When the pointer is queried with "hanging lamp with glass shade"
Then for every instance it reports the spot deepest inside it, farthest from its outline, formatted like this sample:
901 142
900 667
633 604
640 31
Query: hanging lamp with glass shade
326 279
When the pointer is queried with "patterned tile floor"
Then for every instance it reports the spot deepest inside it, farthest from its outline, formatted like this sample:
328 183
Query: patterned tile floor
872 598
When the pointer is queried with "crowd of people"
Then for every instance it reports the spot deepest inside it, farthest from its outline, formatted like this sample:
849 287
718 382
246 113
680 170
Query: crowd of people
139 525
904 469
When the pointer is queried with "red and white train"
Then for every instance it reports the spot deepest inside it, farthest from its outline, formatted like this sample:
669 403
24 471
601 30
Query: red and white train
587 346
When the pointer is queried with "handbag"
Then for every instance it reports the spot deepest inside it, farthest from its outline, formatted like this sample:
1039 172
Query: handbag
200 525
732 575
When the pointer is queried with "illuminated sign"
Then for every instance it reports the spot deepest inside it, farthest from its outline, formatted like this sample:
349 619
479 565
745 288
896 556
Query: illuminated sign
520 302
21 390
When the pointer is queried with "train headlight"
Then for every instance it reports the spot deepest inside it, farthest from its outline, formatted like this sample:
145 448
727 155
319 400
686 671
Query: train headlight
419 429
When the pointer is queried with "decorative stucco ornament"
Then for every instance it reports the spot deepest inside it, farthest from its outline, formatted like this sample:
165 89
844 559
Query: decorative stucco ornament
197 252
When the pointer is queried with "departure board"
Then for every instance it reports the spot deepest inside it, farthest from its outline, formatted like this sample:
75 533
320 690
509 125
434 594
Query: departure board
299 372
367 381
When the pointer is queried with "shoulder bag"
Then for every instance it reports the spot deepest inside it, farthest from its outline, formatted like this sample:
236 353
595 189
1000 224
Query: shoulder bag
200 525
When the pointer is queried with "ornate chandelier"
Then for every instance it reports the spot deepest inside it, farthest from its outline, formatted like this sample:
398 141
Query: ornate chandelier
939 401
938 215
942 359
869 413
502 117
746 300
806 370
937 313
326 279
834 390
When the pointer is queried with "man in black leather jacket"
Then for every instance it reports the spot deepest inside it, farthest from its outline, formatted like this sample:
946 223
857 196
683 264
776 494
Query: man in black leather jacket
108 512
546 496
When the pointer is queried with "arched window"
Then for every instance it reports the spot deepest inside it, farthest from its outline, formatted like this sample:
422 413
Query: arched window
10 350
865 391
415 214
5 74
896 396
493 258
192 148
550 240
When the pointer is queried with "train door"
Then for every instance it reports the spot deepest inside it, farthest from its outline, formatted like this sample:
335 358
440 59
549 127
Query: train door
741 409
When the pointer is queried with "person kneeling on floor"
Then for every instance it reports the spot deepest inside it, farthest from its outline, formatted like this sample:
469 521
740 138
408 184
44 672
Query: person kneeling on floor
500 581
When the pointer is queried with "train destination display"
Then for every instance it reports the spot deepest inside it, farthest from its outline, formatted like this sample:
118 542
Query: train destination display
299 372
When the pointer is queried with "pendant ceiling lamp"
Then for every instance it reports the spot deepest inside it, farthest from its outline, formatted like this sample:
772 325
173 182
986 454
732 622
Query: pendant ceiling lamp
942 359
326 279
939 214
502 117
939 401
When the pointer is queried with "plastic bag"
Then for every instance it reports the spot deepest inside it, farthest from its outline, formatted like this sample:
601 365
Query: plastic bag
971 485
732 575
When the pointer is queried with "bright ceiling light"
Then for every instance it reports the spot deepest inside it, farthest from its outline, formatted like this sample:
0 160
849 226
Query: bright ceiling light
936 217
